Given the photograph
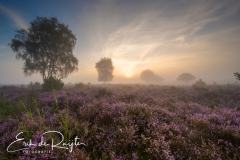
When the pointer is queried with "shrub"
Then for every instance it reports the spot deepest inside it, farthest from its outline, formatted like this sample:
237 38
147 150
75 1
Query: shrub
52 83
200 85
36 85
79 85
186 77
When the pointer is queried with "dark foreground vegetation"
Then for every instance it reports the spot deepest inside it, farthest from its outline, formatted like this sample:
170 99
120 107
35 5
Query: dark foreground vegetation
122 122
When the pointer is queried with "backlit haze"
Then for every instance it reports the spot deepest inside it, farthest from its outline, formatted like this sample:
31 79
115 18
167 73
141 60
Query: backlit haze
167 37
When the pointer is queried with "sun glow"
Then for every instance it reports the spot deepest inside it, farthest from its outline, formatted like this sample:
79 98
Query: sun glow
128 75
125 67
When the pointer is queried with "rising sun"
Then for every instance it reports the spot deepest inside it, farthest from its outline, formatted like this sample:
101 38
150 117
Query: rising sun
128 75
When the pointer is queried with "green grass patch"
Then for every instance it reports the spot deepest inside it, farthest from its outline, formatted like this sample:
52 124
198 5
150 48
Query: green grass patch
9 109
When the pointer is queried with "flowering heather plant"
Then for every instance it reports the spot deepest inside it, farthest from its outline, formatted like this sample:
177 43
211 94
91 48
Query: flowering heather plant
121 122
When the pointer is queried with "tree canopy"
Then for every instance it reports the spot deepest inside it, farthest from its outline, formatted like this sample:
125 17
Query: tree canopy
237 75
150 76
105 69
186 77
46 47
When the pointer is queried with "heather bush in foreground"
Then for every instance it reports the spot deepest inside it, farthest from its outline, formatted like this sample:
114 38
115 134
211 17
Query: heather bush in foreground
52 83
126 122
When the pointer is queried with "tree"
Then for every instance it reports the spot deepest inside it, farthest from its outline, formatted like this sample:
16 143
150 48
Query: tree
46 47
186 77
237 75
150 76
105 69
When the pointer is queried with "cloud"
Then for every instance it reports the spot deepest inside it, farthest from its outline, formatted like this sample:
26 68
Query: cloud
162 36
157 34
20 22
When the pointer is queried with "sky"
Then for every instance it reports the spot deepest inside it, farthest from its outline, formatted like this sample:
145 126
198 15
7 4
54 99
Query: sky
171 37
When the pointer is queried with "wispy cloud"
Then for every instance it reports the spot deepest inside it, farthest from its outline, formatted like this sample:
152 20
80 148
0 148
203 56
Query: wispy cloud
154 35
166 37
20 22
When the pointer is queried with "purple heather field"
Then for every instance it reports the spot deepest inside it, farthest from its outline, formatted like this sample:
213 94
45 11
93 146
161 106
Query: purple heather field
121 122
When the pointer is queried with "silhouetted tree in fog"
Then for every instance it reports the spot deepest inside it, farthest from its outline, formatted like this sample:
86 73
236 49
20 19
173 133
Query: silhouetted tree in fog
150 76
186 77
237 75
105 69
46 47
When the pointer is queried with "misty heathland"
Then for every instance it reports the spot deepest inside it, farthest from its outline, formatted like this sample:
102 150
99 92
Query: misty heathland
126 121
